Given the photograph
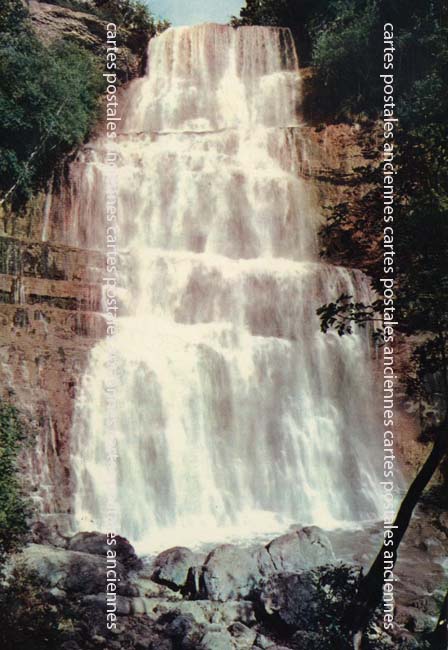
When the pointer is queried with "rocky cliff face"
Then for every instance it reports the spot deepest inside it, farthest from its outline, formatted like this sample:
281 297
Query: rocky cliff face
334 152
50 317
52 22
50 298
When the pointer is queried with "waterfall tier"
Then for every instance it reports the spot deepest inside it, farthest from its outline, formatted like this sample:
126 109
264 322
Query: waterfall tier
233 411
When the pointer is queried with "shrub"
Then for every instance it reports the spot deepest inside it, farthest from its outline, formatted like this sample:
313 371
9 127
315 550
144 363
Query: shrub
49 101
14 509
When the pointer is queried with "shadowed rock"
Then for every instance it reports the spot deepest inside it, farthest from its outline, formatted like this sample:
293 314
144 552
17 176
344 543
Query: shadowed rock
171 567
97 544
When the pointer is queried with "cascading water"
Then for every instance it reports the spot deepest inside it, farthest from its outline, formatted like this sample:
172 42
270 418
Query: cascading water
235 414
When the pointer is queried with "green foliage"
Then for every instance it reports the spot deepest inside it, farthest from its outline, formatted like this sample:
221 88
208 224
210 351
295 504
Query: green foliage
13 507
343 40
133 16
12 16
29 620
299 16
336 588
49 100
345 54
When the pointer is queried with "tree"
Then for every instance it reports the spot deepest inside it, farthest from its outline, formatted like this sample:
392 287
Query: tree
14 508
355 232
49 100
298 15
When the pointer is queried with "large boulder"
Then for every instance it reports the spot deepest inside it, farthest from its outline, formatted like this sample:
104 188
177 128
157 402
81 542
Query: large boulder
99 543
243 636
229 573
300 550
71 571
172 566
122 603
290 601
217 640
183 629
41 533
264 561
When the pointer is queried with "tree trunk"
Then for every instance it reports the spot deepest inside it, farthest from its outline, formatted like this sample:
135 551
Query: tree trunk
371 588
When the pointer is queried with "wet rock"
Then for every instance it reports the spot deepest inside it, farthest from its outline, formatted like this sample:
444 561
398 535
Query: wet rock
243 636
290 600
71 571
229 573
302 549
99 543
171 567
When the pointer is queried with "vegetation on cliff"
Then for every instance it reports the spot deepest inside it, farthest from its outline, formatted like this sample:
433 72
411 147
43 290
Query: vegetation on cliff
346 43
14 508
50 94
342 41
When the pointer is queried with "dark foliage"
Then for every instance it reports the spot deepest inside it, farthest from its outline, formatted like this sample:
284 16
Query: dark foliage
343 39
50 96
29 619
14 508
49 100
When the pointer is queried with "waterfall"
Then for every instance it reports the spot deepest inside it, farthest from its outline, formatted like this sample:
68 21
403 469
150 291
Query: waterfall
235 414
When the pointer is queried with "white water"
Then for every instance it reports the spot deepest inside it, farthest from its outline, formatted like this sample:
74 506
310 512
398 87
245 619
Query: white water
236 416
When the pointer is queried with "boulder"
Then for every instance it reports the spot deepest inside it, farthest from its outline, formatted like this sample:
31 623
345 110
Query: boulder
229 573
290 601
443 521
98 544
302 549
71 571
41 533
182 629
243 636
147 588
123 604
203 612
264 561
217 641
263 642
172 566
